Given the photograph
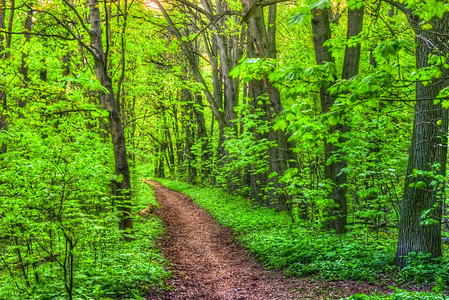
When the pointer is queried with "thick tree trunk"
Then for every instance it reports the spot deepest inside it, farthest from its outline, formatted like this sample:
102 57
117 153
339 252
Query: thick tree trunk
420 224
108 101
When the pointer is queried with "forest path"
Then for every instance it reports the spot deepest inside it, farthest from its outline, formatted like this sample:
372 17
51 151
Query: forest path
209 264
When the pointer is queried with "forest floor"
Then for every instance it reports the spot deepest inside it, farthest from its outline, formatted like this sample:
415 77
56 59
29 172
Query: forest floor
207 263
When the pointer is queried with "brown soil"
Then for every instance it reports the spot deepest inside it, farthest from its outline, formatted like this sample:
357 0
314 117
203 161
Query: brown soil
209 264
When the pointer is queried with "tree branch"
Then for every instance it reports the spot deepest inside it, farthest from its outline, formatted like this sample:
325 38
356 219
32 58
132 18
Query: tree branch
258 3
40 34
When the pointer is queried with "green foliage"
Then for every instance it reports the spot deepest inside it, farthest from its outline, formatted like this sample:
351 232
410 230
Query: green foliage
422 268
400 295
248 152
253 68
428 9
303 14
58 221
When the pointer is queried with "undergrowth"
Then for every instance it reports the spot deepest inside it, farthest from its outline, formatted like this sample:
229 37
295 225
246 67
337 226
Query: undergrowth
104 265
400 295
280 243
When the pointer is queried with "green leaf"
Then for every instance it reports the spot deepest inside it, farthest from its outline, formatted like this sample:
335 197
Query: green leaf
321 4
119 178
355 4
299 18
435 8
332 120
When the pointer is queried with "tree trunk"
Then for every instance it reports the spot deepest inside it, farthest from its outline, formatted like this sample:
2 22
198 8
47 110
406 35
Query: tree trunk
262 44
223 52
420 224
337 218
5 45
214 99
108 101
3 117
188 126
23 70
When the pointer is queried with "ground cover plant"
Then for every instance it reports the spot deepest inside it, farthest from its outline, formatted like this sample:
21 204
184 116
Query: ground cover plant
282 243
399 295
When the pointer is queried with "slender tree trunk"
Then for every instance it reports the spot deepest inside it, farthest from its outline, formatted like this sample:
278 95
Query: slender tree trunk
262 44
120 94
189 129
337 218
421 210
170 152
2 27
4 107
5 45
192 59
223 54
108 101
23 70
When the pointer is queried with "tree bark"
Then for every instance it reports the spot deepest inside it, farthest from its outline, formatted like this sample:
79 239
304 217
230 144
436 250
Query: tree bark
322 33
5 45
261 43
192 60
23 70
108 101
223 53
422 201
3 117
337 218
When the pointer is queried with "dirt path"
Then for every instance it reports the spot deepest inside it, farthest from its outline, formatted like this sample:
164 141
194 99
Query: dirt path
209 264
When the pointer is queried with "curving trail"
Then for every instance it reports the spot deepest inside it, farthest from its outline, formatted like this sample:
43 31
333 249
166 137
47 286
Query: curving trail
209 264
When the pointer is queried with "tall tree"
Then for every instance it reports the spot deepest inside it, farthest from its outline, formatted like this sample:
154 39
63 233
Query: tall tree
334 168
24 62
421 209
261 43
108 101
223 54
5 44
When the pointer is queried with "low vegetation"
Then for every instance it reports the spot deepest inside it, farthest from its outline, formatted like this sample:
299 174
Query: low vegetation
74 250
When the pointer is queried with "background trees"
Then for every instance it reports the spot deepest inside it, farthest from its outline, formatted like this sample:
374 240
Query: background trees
359 115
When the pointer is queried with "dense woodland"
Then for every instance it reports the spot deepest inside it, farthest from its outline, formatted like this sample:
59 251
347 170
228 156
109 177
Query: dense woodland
332 113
